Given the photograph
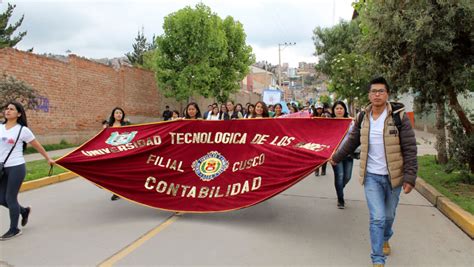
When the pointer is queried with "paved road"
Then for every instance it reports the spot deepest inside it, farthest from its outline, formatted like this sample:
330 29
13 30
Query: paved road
75 223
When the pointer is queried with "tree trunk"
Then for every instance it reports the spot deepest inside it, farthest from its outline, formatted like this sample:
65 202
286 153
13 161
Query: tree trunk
454 104
441 133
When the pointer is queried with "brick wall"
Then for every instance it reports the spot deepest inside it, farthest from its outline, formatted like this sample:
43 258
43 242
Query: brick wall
78 94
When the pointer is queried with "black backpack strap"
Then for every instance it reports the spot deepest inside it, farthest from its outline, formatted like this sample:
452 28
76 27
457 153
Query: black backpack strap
360 118
398 111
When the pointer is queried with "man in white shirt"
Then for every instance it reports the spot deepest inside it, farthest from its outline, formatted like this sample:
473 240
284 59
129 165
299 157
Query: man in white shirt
388 162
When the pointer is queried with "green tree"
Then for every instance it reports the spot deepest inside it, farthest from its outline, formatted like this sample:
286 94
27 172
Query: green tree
325 99
200 53
6 31
425 46
140 47
348 70
350 77
330 42
12 89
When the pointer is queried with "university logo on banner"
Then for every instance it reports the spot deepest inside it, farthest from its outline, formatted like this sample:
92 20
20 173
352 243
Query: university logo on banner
116 139
206 166
210 166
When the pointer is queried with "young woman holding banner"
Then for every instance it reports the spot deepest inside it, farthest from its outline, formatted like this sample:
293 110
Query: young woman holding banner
116 119
14 135
250 111
278 110
261 110
343 170
192 111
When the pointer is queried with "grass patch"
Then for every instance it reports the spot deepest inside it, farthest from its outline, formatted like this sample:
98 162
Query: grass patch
452 185
63 144
39 168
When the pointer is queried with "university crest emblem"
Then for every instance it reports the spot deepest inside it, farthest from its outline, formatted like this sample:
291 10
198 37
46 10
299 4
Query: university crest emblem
210 166
117 139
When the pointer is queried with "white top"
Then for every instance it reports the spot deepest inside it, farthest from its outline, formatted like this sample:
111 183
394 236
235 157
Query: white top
214 117
7 139
376 162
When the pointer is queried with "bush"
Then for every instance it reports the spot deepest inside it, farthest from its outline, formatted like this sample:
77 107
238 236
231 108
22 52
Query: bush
460 150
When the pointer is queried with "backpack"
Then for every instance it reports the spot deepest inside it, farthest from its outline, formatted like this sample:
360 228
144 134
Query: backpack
396 116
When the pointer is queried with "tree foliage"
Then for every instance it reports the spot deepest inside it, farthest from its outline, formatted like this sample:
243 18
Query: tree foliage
350 77
141 48
425 46
12 89
201 53
330 42
348 70
6 30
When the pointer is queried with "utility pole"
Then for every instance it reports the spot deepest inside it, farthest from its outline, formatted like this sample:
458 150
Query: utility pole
285 44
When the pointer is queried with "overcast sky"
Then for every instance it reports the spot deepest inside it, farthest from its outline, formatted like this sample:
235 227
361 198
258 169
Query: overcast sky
107 28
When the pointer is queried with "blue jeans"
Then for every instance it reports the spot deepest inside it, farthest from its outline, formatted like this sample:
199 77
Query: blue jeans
342 175
382 202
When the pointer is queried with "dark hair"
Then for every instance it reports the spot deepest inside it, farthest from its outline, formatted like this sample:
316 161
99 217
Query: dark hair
20 120
198 113
265 113
167 106
241 107
19 107
379 80
175 111
339 102
293 106
112 118
250 113
278 105
218 111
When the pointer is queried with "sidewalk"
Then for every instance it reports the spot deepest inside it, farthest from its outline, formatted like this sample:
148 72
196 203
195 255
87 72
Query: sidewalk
426 143
54 153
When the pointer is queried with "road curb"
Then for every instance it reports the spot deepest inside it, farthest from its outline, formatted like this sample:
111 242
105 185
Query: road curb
47 181
460 217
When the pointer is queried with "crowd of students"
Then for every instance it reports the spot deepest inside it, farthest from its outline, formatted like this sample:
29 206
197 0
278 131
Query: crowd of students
388 165
230 110
342 170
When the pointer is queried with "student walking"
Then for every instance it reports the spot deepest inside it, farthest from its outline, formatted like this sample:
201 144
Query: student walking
388 162
14 135
343 170
117 119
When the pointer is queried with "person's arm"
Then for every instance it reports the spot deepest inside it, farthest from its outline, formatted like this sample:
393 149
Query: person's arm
41 150
353 141
409 152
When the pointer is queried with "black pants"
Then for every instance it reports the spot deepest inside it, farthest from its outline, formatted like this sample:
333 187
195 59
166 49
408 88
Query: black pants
9 187
322 168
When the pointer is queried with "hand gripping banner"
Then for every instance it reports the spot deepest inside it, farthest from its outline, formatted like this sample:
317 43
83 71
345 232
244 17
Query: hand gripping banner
206 166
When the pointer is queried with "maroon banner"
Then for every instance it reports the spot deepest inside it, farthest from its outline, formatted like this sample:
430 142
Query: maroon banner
206 166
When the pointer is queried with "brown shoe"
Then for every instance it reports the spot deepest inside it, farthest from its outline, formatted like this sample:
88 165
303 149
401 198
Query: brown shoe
379 265
386 248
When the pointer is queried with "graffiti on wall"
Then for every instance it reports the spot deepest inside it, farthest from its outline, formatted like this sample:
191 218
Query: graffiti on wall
42 103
